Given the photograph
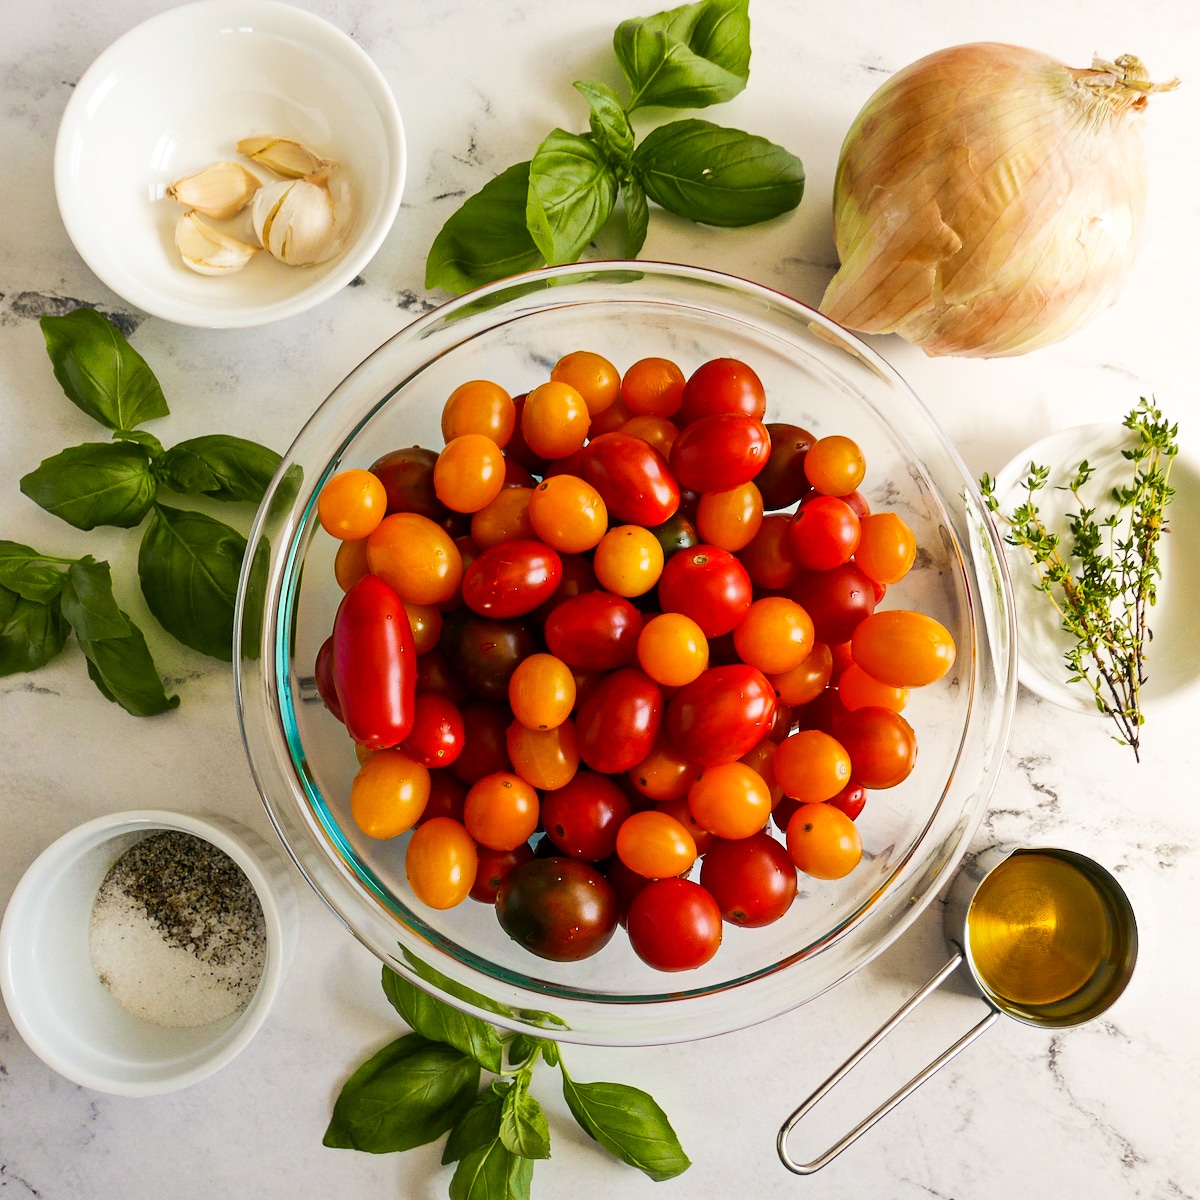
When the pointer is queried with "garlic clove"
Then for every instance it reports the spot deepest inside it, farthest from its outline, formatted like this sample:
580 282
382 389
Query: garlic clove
209 251
220 191
281 155
294 220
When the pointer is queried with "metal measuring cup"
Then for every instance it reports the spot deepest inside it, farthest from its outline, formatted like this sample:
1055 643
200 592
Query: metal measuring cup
977 955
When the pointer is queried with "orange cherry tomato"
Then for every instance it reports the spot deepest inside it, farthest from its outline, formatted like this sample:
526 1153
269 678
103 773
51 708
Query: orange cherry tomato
731 800
775 635
350 563
568 514
501 811
887 547
835 465
823 841
664 774
555 420
653 387
658 431
388 794
730 519
881 745
351 505
504 519
469 473
541 692
806 681
811 766
629 560
902 648
441 863
425 621
544 758
416 558
856 689
593 377
655 845
479 406
672 649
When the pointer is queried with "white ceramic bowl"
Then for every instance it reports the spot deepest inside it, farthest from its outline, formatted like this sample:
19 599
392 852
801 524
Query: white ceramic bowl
54 996
177 93
1173 659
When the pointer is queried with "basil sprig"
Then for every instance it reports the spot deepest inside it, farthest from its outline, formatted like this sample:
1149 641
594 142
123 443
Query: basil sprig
550 210
188 563
395 1101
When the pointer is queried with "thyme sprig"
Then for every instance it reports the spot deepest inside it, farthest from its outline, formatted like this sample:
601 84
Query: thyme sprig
1103 580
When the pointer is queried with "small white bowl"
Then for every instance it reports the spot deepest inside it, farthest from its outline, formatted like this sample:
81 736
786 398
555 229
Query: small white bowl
177 93
1173 658
56 1000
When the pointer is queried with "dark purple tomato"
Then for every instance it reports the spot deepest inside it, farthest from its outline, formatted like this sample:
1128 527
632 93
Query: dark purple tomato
447 796
753 879
511 579
721 715
323 671
717 453
485 652
782 482
595 631
618 721
722 385
493 866
434 674
675 534
836 600
557 908
707 584
583 817
407 478
674 925
633 479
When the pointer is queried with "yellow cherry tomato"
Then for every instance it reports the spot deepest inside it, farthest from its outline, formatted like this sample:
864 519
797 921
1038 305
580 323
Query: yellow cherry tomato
388 794
441 863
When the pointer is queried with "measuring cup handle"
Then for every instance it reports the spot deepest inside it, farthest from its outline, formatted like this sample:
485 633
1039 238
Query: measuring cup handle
857 1057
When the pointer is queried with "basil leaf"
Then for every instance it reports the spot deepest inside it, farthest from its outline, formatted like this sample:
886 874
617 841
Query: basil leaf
31 633
100 371
24 571
493 1172
99 483
521 1049
88 602
523 1128
143 439
609 123
637 216
188 565
124 671
441 1023
487 239
220 466
572 190
408 1094
628 1123
550 1052
716 175
478 1126
687 57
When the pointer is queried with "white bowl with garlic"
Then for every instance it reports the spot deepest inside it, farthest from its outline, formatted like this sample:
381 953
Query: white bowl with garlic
230 163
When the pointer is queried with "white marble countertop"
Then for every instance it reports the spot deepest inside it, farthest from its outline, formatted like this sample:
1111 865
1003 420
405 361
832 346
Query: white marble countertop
1106 1110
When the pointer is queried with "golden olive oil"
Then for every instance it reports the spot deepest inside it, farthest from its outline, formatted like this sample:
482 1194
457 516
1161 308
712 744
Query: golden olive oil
1040 930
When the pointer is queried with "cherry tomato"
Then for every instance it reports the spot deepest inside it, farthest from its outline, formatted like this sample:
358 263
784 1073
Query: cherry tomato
837 600
518 448
881 745
557 908
664 774
350 563
761 760
447 795
593 377
903 649
505 519
655 845
824 533
656 431
515 475
723 385
545 758
388 794
479 406
434 674
858 505
485 749
731 800
632 478
374 664
856 689
674 925
730 519
768 557
323 673
628 560
675 534
485 651
425 621
672 649
753 879
823 713
511 579
541 692
618 721
351 505
804 683
470 473
811 766
653 387
721 715
887 549
493 866
714 454
823 842
501 811
775 635
583 817
625 883
441 863
416 558
567 513
555 420
707 584
835 465
610 420
851 800
782 481
438 733
595 631
407 477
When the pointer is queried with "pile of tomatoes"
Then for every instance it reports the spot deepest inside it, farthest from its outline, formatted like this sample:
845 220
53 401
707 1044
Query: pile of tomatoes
626 612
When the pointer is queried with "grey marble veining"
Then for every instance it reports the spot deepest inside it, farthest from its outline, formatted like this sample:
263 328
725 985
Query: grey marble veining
1108 1110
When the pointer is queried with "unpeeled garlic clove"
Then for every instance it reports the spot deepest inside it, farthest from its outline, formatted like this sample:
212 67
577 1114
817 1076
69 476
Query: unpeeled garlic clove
281 155
294 220
209 251
220 191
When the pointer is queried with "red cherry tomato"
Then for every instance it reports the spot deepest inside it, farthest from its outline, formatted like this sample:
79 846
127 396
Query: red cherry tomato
707 584
722 385
493 866
722 715
438 733
511 579
618 721
851 800
633 479
881 745
674 925
374 664
582 818
715 454
596 631
824 533
485 744
753 879
836 600
447 796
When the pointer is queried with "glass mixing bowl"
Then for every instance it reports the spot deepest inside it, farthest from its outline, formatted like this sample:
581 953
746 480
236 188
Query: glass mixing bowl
816 376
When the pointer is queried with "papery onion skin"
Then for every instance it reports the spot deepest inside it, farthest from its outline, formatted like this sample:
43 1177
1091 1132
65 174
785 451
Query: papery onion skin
989 200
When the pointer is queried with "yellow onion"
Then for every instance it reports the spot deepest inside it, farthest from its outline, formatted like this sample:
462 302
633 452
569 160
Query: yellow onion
989 199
